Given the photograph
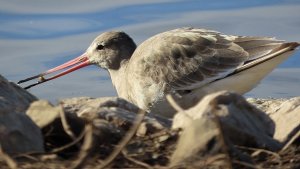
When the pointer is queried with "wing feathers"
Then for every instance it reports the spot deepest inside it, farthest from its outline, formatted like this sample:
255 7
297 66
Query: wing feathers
257 46
189 58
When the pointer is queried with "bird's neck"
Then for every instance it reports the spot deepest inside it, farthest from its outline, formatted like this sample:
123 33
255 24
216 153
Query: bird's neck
119 80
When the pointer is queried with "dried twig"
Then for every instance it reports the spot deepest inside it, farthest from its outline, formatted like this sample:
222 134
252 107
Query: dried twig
85 148
297 135
9 161
210 161
135 160
29 155
49 132
131 132
56 150
277 156
217 157
246 164
173 103
176 106
65 124
162 133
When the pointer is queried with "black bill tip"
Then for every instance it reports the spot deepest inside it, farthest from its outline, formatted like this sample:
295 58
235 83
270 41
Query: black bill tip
30 78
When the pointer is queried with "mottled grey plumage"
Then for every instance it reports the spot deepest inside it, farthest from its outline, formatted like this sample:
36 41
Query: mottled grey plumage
186 59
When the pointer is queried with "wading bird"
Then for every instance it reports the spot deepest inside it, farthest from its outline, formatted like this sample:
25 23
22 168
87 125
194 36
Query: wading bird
187 63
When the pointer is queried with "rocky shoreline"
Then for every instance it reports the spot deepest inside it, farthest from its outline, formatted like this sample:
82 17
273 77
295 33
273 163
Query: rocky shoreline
224 130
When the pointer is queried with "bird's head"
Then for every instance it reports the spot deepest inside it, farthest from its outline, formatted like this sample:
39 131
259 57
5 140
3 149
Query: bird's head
109 50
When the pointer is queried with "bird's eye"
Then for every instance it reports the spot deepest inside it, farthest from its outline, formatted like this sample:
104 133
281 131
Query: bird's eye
100 47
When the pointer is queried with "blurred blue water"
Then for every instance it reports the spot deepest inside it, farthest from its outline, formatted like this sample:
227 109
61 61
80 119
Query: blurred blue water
37 35
113 17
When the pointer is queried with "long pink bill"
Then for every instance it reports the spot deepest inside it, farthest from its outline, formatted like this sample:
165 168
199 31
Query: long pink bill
72 65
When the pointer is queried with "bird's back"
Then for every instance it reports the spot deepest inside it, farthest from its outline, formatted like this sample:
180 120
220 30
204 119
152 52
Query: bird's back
183 60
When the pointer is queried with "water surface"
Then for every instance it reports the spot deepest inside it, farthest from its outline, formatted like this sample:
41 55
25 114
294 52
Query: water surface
36 35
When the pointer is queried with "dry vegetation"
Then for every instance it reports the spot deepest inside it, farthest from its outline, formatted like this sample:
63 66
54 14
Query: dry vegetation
87 149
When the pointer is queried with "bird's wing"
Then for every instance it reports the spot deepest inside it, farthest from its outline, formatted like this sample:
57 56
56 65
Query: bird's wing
257 47
188 58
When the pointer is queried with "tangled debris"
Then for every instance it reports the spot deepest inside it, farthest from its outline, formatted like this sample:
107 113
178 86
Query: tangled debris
222 131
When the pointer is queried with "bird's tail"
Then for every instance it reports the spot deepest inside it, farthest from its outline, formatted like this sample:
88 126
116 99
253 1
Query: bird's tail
258 46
